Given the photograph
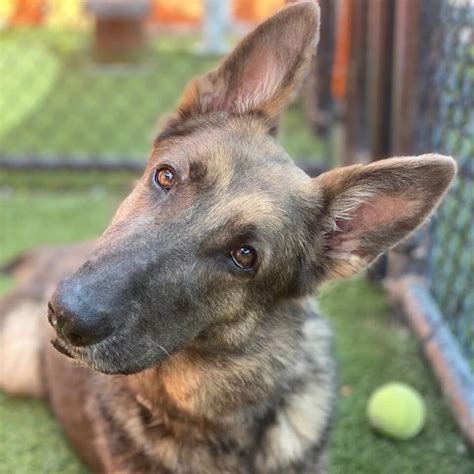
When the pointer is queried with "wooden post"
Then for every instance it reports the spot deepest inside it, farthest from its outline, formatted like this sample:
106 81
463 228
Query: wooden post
355 141
317 87
405 75
403 126
379 76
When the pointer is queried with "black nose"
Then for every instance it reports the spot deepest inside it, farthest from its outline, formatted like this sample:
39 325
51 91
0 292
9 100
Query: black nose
76 319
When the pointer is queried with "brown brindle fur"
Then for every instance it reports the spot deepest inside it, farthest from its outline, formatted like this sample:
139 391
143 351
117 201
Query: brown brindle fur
188 364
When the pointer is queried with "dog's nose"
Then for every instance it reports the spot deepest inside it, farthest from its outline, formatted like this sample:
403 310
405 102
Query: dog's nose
75 321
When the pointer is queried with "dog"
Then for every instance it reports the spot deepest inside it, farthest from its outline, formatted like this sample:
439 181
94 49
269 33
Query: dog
196 346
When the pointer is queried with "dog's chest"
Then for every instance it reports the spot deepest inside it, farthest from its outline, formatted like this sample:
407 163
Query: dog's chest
285 442
288 435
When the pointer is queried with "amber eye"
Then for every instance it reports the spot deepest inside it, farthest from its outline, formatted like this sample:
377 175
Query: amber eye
165 178
244 257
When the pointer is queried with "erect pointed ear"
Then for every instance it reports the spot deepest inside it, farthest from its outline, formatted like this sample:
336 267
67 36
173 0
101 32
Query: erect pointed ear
368 209
262 71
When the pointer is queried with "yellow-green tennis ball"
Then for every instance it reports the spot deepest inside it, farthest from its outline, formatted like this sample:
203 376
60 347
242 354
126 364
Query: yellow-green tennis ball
396 410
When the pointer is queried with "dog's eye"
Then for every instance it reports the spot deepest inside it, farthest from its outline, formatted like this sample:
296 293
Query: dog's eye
244 257
165 178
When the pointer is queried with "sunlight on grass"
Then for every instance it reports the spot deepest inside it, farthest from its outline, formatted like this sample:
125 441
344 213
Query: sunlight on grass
23 86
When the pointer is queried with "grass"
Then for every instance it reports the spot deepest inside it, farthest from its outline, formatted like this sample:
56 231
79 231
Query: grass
371 348
68 217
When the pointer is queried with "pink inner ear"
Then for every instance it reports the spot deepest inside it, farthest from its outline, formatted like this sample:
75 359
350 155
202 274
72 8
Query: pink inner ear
260 79
366 218
376 212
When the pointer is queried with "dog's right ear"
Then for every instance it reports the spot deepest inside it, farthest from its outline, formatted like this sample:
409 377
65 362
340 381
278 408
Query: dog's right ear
264 69
365 210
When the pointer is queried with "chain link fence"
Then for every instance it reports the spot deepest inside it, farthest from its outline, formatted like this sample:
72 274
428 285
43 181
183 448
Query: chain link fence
403 84
446 125
89 81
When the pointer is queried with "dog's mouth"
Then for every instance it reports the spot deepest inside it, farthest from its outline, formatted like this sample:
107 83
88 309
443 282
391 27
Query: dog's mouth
64 347
97 357
113 355
84 356
67 349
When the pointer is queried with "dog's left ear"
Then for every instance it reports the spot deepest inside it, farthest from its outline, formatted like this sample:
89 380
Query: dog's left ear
365 210
260 75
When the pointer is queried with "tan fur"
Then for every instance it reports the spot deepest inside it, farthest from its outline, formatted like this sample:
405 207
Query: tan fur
303 417
20 347
251 209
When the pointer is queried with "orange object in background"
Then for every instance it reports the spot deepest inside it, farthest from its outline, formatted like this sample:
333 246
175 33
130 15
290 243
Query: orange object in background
28 12
341 49
34 12
176 11
252 11
190 11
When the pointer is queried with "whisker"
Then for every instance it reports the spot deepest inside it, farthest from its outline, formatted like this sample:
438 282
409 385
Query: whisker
164 350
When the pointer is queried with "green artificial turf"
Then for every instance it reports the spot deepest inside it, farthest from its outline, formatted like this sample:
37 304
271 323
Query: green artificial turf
371 348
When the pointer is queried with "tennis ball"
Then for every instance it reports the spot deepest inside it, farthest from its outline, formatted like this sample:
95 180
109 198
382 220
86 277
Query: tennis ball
396 410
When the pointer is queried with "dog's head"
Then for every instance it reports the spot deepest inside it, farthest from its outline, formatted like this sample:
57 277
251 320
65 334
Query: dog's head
223 225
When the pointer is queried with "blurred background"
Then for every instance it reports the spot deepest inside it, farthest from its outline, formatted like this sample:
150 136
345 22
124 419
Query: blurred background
84 85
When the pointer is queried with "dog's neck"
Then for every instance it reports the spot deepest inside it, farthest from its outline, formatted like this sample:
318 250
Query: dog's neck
211 381
271 398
